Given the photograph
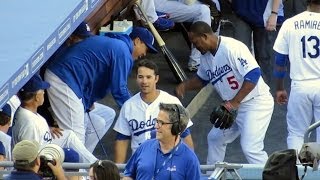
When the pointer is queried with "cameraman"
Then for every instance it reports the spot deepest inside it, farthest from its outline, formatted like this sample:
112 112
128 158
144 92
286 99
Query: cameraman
27 162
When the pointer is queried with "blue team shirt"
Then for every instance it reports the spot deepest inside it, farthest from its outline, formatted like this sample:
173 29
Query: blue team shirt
96 66
148 158
19 175
252 11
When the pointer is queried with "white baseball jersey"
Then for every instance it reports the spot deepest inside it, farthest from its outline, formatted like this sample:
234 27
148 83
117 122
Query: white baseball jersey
30 126
14 103
6 140
226 70
299 38
137 118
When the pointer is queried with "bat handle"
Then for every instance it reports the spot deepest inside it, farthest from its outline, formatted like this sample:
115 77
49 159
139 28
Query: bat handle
152 28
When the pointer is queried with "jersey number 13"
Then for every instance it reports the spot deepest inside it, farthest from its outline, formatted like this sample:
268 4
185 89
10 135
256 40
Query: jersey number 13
314 40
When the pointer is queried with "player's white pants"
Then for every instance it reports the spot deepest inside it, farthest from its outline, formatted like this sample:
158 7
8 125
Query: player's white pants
150 10
101 119
67 107
303 106
179 12
251 124
70 140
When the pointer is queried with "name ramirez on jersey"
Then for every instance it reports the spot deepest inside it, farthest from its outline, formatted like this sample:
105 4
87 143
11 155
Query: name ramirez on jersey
307 24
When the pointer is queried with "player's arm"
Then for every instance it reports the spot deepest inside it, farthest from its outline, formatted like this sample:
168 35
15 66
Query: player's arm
120 72
279 73
250 81
127 178
195 83
188 140
120 148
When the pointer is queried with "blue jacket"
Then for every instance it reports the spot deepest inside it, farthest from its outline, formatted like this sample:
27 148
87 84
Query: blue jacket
95 66
147 163
19 175
252 11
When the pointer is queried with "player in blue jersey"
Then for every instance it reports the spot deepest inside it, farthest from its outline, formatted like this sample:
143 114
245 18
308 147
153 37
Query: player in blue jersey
166 157
89 70
299 42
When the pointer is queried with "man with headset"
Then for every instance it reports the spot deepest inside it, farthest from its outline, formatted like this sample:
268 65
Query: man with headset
137 118
166 157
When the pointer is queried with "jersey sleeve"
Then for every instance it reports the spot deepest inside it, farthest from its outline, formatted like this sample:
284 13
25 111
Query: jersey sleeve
121 69
281 44
193 171
122 125
131 166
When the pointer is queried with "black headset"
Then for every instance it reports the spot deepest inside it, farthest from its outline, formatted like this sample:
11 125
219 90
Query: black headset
176 127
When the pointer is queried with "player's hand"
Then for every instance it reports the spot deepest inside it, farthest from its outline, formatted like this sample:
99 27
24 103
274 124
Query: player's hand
180 90
57 170
56 132
272 22
281 97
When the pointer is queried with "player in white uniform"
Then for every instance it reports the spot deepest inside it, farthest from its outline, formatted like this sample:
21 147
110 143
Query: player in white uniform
5 123
299 40
180 11
229 66
137 118
29 125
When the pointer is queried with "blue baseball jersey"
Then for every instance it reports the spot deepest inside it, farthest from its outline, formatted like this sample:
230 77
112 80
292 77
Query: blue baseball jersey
147 163
96 66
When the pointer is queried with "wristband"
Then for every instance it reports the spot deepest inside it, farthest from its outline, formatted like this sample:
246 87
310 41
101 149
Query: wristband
273 12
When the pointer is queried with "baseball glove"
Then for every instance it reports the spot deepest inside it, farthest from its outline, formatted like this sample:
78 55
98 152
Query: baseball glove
223 116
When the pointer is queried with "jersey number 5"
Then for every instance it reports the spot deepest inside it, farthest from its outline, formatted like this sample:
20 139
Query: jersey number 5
233 82
316 46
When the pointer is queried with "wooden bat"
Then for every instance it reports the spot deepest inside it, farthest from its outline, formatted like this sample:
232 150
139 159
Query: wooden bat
171 60
200 99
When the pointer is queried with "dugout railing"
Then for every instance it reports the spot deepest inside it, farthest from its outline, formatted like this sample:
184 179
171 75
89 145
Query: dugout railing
246 171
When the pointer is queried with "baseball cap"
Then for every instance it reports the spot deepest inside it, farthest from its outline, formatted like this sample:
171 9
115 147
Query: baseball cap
6 109
2 149
25 151
145 36
82 30
34 84
70 155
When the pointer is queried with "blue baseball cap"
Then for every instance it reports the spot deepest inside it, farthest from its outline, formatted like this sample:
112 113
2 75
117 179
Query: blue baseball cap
6 109
34 84
83 30
145 36
70 155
